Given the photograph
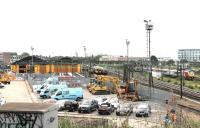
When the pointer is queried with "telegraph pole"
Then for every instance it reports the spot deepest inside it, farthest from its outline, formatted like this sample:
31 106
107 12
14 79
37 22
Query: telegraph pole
149 28
127 44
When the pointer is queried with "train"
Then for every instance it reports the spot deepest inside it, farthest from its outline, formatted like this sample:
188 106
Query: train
188 74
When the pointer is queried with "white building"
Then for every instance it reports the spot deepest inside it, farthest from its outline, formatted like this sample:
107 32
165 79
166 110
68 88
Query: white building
189 54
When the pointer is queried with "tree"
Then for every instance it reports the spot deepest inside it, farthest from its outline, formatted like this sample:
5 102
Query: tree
170 62
25 54
183 61
154 60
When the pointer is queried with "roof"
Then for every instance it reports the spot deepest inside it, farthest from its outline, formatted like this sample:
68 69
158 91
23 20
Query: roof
54 60
28 107
28 60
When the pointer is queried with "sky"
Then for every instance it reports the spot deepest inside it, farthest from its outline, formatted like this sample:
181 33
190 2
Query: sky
63 27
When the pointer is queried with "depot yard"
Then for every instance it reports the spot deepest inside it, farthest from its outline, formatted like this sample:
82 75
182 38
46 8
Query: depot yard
19 91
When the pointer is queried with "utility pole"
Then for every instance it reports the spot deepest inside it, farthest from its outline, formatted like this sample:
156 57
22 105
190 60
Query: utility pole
149 27
181 73
127 44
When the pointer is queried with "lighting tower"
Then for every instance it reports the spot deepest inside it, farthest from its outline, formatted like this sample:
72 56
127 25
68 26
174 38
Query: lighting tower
32 49
149 27
84 48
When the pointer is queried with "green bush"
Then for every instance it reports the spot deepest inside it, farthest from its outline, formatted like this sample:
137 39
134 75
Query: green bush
176 82
191 87
169 80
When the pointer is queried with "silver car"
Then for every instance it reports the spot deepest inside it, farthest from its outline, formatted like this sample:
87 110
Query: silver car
124 109
143 109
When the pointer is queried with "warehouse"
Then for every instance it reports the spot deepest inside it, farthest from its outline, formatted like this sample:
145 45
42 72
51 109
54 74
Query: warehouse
51 65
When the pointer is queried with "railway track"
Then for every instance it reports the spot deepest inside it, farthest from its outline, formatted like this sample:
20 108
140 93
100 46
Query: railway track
187 92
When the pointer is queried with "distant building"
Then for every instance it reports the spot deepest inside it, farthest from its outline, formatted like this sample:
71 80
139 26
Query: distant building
189 54
120 58
163 58
5 57
15 58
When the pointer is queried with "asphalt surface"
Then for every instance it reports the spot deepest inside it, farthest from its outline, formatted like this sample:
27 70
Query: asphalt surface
17 91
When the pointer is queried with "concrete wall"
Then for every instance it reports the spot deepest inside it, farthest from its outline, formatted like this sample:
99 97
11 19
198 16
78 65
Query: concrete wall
29 119
50 119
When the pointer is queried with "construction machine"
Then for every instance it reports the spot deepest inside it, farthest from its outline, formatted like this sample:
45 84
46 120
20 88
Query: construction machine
6 77
128 91
91 83
104 85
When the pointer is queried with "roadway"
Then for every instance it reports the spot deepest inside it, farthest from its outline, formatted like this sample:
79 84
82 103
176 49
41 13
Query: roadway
18 91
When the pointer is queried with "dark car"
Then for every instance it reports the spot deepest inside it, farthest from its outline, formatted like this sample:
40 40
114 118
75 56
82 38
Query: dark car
71 105
88 106
124 109
106 108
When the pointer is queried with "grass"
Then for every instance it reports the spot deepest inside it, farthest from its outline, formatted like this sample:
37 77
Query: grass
188 83
182 122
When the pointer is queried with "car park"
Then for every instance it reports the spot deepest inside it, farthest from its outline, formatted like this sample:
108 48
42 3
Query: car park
124 109
143 109
88 106
106 108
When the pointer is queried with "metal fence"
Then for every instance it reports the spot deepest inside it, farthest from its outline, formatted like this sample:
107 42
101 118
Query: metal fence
36 79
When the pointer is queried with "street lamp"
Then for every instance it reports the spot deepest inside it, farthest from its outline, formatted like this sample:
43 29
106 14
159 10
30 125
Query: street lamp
127 44
84 48
149 27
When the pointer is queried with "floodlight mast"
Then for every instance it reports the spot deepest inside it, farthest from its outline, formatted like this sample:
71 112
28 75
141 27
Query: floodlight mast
149 28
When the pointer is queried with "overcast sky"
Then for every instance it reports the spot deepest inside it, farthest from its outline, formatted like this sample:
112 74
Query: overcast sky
63 27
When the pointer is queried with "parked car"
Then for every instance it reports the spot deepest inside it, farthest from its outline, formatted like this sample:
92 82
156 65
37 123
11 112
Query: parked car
61 104
143 109
88 106
68 93
2 100
100 100
71 105
113 101
2 85
124 109
106 108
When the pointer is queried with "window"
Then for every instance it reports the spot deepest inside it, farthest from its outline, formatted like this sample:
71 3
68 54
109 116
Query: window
59 93
65 92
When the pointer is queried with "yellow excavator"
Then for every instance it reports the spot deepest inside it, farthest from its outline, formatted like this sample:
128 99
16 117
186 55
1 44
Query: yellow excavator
104 85
5 78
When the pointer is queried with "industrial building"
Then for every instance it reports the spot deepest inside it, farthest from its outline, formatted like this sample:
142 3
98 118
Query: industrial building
37 65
